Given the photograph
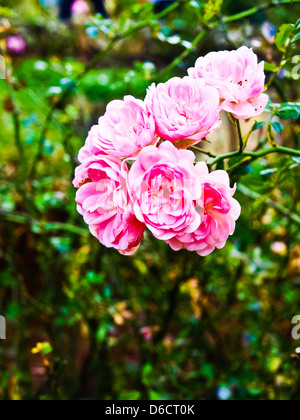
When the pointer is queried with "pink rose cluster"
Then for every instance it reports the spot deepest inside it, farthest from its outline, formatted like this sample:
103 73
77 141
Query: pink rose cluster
136 171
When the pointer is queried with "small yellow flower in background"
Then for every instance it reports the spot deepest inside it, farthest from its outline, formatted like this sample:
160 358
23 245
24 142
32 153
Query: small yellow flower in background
44 348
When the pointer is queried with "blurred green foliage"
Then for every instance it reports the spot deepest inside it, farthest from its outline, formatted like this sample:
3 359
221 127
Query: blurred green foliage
84 322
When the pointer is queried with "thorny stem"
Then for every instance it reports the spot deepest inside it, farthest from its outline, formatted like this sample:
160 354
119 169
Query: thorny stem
224 157
205 152
255 155
252 156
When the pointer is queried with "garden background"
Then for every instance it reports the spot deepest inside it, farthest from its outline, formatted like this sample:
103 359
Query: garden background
84 322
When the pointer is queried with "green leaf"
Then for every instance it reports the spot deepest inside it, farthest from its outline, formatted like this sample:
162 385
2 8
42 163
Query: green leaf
212 8
270 67
289 111
259 125
282 38
248 135
288 114
296 37
278 127
296 159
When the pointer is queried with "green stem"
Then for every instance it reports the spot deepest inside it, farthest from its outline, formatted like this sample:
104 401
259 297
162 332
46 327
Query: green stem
254 10
241 140
275 74
204 152
230 42
252 156
185 54
279 149
41 141
224 157
255 155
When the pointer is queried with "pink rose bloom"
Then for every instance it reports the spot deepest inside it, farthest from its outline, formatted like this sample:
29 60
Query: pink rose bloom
239 78
218 211
163 189
104 203
125 129
16 44
184 109
80 7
